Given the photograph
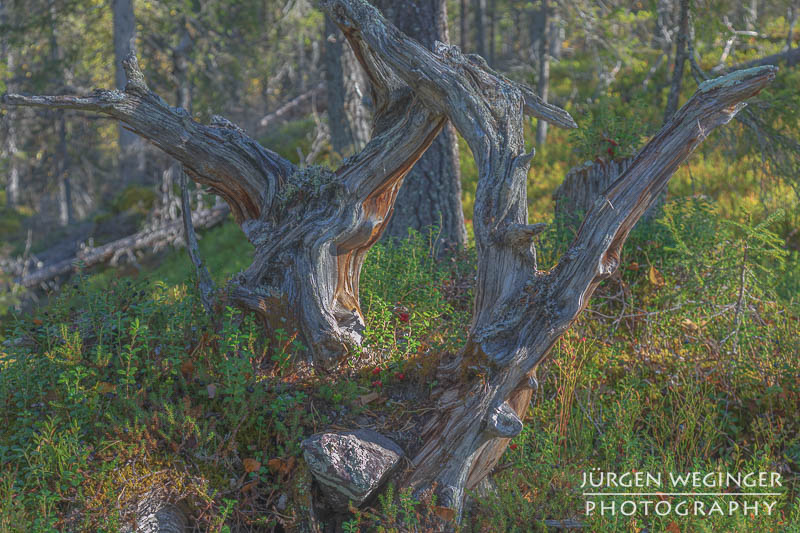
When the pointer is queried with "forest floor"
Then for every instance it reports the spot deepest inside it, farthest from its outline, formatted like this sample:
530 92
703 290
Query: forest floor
121 387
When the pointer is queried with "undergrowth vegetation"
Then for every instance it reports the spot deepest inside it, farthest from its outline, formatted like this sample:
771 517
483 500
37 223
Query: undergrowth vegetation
685 361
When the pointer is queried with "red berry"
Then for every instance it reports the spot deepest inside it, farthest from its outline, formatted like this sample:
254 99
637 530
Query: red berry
403 317
376 371
512 446
399 375
377 383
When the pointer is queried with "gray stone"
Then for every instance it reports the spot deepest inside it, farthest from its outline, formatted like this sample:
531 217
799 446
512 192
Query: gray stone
350 465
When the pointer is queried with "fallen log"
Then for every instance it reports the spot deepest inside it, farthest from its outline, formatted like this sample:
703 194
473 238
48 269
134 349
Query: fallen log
111 252
790 57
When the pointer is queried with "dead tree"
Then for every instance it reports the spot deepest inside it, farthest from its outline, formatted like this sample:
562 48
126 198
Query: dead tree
311 228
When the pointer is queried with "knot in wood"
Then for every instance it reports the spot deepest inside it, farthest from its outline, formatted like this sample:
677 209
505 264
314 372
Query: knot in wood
503 422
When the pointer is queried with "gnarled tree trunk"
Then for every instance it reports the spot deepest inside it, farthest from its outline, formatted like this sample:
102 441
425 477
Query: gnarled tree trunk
311 228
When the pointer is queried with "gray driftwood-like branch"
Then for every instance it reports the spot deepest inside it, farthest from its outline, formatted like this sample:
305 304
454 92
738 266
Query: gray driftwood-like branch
143 240
204 283
298 106
311 228
219 156
790 57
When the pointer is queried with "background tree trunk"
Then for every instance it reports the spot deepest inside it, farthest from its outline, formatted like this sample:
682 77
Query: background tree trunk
131 147
543 81
61 160
346 85
462 18
10 148
680 61
492 24
431 192
584 184
65 211
479 11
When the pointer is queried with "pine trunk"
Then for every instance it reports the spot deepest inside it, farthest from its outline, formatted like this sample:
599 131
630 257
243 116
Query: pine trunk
131 146
431 192
348 114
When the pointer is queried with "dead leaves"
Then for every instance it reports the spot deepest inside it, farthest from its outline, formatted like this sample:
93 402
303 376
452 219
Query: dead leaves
445 513
367 398
251 465
655 277
281 466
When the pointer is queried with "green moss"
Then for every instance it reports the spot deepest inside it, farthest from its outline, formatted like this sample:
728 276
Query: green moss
733 78
135 198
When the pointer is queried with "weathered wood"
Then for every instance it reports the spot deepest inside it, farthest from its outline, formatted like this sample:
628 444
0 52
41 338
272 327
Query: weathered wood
584 184
790 57
311 227
92 256
204 282
521 312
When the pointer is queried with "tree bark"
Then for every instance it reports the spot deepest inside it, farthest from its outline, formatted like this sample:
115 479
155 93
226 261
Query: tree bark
131 147
791 57
12 183
311 228
680 61
492 24
65 212
479 11
543 82
60 162
346 87
462 18
431 194
204 283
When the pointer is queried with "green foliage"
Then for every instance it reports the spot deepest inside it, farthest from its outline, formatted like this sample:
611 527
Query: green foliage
134 198
402 297
610 130
11 220
290 138
118 381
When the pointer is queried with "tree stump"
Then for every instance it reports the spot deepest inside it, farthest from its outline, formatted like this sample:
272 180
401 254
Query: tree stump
584 184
